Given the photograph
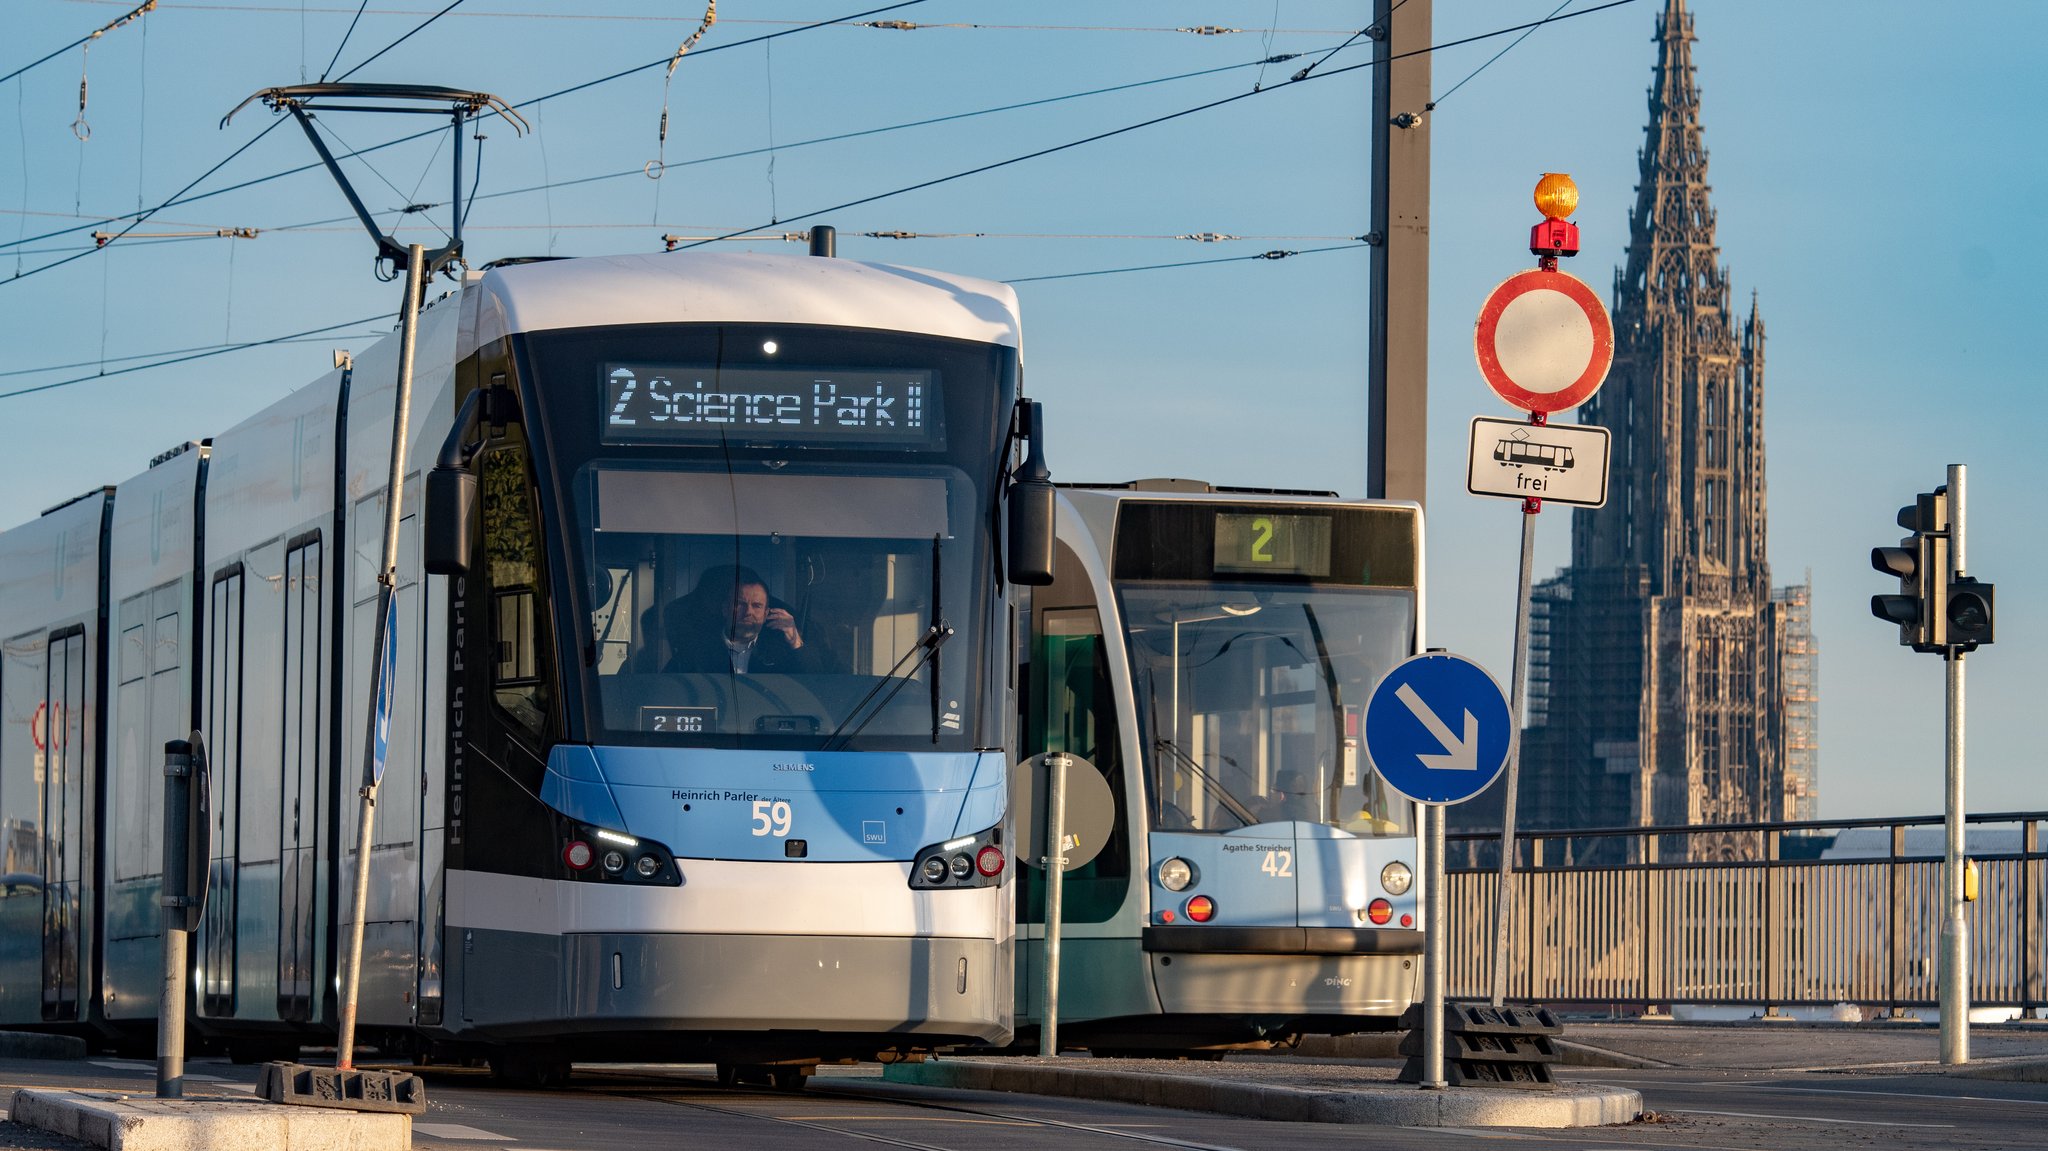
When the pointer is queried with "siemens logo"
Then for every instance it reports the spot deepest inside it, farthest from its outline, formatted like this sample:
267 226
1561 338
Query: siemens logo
794 767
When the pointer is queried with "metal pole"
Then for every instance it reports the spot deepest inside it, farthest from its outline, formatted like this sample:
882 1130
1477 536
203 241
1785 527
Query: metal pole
1504 898
1955 931
1055 883
409 314
170 1026
1397 375
1433 949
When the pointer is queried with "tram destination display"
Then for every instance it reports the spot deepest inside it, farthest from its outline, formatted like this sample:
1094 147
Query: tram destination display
1265 542
691 403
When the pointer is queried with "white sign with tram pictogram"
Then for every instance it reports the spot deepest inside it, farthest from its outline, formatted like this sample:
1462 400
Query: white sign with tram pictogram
1562 463
1544 341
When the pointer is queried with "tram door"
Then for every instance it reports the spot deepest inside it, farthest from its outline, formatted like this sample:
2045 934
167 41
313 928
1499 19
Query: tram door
1069 707
64 797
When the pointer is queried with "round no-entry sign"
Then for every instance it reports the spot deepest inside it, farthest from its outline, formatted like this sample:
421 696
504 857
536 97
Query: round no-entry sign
1544 341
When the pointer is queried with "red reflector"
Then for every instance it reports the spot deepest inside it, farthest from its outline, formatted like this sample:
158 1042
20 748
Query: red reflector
1166 916
577 855
1379 911
1201 909
1407 921
989 860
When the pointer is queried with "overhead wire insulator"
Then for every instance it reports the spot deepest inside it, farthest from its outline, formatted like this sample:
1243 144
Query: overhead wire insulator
1210 30
891 25
1277 254
657 166
898 235
1208 237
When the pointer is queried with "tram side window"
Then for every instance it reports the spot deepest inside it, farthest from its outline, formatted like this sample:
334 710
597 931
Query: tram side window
512 567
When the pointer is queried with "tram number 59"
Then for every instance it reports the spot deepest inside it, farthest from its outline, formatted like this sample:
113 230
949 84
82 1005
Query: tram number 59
1279 864
771 817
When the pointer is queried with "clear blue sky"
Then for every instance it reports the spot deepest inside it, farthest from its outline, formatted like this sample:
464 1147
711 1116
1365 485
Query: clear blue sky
1878 170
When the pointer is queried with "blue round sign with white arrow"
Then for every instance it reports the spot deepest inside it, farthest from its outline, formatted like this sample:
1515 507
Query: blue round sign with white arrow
1437 728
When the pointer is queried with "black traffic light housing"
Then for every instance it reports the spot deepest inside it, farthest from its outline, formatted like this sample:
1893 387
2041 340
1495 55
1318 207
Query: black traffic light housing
1968 613
1921 564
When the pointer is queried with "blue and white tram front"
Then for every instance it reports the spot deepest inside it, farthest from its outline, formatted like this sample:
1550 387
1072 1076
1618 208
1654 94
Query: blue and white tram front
725 770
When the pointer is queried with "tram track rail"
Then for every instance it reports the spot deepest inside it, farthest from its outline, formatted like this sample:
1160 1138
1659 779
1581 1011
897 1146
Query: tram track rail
675 1091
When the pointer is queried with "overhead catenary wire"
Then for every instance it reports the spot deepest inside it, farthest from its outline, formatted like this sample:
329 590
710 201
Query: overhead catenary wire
1151 122
140 11
650 18
1276 254
180 198
217 351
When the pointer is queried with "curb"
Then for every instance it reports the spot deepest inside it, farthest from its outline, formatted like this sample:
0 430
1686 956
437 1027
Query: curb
145 1123
40 1045
2025 1069
1404 1105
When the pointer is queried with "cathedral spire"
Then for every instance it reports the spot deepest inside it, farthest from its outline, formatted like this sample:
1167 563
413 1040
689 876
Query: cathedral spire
1672 251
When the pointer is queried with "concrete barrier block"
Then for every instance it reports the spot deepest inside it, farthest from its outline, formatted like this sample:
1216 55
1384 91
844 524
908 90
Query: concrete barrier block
36 1045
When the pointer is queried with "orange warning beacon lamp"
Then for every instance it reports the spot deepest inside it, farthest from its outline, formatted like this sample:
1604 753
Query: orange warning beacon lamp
1556 197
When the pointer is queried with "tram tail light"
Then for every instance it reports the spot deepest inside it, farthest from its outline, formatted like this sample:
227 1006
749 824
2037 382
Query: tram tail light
577 855
989 860
1379 911
1201 909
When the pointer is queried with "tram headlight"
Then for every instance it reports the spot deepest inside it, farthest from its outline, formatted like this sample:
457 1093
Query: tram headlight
1175 874
962 861
594 854
1395 878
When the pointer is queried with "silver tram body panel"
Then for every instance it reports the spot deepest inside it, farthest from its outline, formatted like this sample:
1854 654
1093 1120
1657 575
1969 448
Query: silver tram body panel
240 595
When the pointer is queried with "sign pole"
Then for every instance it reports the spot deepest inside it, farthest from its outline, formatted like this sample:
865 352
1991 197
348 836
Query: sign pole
1055 884
1955 930
387 586
1433 950
1504 896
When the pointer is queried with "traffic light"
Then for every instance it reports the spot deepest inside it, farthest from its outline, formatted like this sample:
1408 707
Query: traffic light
1921 562
1969 613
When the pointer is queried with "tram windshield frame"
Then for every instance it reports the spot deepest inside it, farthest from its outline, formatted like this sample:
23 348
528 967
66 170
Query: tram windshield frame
876 550
1250 697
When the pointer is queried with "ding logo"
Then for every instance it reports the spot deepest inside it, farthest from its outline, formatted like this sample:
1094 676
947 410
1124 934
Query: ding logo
156 527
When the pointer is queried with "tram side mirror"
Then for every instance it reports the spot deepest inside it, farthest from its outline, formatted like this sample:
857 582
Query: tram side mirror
1032 498
451 513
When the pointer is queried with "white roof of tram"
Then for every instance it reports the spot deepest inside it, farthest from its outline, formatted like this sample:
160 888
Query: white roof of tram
725 287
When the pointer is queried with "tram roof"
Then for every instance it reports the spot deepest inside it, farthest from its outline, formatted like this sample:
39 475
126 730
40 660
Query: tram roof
742 287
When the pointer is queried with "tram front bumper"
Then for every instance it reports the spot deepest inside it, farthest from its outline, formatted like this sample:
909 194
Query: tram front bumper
1284 970
517 984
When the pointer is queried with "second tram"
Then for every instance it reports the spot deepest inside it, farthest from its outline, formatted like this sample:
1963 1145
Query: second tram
1205 655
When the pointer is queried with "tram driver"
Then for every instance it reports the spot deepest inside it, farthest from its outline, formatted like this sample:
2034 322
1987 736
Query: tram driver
729 624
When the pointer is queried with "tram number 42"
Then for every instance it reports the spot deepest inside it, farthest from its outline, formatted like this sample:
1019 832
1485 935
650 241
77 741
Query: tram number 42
1279 864
771 817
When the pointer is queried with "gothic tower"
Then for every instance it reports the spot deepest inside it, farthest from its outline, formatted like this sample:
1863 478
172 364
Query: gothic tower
1662 638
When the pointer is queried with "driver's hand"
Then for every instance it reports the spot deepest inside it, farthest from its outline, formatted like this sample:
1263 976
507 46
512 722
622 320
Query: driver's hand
782 621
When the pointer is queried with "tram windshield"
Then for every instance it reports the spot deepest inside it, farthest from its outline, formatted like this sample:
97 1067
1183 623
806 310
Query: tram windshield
775 556
1251 698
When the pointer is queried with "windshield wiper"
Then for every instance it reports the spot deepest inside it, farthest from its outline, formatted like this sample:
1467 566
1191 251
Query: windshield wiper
926 647
1230 801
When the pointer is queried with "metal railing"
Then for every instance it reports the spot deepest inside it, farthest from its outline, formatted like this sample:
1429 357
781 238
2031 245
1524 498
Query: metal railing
1769 915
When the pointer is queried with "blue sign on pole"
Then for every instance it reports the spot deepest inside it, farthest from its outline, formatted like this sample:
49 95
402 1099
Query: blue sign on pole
1437 728
387 671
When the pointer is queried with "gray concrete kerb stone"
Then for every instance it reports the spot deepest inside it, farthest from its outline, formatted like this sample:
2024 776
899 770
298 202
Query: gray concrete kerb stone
1381 1103
125 1122
36 1045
